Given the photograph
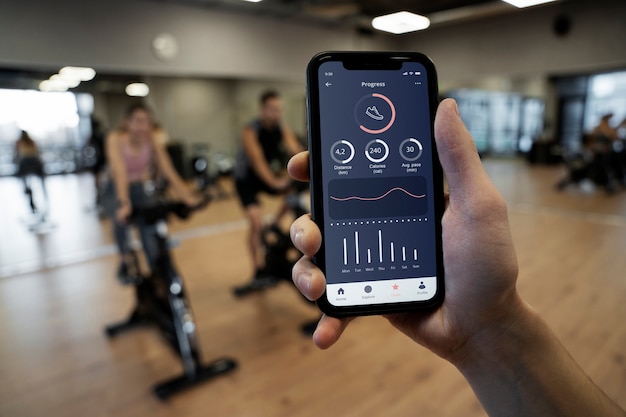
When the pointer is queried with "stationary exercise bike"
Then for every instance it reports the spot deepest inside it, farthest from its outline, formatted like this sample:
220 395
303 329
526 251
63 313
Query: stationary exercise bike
280 254
161 301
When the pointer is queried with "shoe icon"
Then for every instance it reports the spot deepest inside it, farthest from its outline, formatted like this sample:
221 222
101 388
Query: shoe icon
374 113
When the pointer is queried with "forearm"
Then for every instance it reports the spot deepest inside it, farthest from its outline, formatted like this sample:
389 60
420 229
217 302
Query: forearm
121 184
180 188
118 170
264 172
523 370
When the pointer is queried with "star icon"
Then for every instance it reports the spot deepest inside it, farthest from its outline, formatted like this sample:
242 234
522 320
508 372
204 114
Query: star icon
395 287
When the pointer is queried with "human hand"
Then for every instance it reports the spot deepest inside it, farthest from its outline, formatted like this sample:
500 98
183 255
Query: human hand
123 212
281 183
479 257
192 201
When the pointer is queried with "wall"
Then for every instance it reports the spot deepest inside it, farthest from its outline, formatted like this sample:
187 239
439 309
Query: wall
116 36
523 44
196 110
209 91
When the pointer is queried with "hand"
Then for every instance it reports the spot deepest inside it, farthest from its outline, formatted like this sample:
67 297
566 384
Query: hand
479 257
192 201
281 183
123 212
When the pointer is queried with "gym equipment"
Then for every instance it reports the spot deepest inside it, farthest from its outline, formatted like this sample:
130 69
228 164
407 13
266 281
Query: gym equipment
207 168
161 301
280 254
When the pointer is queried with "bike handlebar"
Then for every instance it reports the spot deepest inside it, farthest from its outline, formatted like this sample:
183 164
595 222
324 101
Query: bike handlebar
160 210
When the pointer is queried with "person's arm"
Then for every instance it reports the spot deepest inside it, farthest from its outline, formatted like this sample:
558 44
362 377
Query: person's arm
259 164
16 151
118 172
519 368
290 141
513 362
166 167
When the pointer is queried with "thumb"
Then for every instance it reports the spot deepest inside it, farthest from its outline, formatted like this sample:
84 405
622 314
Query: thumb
457 152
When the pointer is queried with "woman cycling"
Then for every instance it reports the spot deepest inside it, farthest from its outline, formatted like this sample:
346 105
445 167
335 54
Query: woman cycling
136 158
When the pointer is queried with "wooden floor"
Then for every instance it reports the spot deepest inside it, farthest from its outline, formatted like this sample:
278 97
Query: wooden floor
58 291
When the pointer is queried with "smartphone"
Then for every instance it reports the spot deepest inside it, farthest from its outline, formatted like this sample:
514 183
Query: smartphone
376 182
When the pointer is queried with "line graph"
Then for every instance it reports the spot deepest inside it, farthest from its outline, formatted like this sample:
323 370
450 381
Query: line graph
377 197
354 197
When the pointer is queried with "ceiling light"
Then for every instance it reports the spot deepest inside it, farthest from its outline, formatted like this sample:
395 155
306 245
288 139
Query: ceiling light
253 1
79 73
69 82
137 90
527 3
52 85
400 22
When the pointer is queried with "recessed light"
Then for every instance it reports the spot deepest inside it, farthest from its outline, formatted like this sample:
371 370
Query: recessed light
78 73
69 82
400 22
137 90
253 1
527 3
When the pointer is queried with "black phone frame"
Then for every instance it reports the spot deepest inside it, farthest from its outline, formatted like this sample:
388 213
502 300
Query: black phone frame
376 61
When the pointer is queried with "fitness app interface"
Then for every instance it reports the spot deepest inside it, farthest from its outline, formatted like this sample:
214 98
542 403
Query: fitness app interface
379 227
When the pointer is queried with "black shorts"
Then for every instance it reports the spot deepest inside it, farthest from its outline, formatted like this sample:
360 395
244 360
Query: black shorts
248 190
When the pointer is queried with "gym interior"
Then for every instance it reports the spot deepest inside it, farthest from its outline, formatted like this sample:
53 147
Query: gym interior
533 85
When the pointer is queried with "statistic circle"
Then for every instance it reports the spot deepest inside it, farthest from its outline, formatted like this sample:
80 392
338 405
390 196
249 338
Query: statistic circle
411 149
342 151
376 147
375 113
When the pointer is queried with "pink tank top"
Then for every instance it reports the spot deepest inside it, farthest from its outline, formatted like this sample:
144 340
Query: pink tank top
136 163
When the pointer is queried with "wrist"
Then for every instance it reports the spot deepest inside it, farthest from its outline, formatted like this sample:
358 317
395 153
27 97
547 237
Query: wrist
123 203
496 342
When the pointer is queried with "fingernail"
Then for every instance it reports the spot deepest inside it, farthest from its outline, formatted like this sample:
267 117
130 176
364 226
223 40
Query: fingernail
297 238
303 282
456 108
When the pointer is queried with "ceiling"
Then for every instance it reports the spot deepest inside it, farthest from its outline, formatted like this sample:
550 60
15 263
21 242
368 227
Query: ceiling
357 13
353 14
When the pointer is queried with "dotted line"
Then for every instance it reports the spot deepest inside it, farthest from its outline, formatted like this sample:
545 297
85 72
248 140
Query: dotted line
390 221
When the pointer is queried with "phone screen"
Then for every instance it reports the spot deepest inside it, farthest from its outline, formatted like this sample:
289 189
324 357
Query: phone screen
381 232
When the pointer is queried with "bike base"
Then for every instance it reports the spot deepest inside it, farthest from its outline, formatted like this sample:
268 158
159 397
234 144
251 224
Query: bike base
166 389
256 285
135 320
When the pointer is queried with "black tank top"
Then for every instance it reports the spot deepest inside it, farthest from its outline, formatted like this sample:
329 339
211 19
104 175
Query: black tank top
270 141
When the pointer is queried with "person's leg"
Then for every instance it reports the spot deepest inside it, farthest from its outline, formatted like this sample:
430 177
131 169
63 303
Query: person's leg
255 228
128 272
121 233
147 234
247 191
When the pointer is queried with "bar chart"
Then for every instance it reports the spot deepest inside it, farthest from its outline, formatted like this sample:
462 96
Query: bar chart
377 251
